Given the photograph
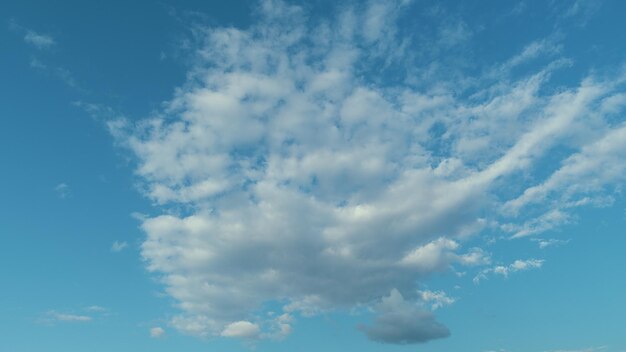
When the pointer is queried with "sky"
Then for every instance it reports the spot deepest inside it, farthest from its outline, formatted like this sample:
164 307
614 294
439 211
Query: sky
312 176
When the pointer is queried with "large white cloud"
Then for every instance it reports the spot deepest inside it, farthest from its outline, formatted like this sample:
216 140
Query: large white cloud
292 170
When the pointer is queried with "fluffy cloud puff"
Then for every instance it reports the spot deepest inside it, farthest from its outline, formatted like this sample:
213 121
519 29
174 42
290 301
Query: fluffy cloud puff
309 163
401 322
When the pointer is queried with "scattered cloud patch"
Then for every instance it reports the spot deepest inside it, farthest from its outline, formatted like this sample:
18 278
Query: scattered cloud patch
62 190
540 224
36 64
60 73
280 327
44 41
516 266
40 41
157 332
96 309
31 37
119 246
97 112
550 242
436 299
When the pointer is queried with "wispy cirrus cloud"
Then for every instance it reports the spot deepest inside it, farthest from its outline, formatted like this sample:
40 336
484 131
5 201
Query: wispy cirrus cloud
312 180
157 332
119 246
63 190
549 242
40 41
53 316
96 309
84 315
31 37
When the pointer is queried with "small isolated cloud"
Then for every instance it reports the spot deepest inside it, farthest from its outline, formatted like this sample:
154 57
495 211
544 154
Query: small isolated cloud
544 243
96 309
242 329
54 316
89 313
402 322
40 41
157 332
119 246
35 63
62 190
516 266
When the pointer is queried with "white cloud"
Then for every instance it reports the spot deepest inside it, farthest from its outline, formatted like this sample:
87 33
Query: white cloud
97 309
597 166
54 316
243 329
506 270
545 243
157 332
543 223
119 246
40 41
310 181
436 299
440 254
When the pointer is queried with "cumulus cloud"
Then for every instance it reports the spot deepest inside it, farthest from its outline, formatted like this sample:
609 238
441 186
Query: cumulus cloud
291 169
244 329
401 322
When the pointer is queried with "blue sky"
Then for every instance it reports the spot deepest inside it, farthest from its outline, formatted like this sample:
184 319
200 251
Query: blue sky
306 176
